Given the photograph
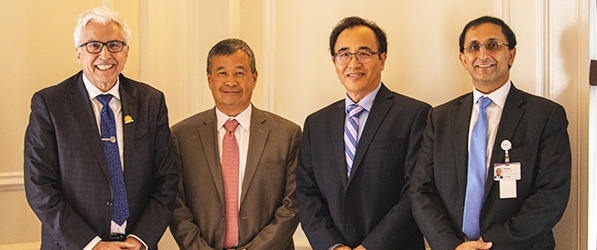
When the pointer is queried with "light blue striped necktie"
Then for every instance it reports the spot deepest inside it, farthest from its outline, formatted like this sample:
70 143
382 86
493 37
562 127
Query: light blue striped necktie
351 131
475 183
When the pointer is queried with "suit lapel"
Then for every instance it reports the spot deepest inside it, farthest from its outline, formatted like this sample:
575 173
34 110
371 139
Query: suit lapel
337 139
208 134
381 106
511 116
258 134
461 117
82 106
129 104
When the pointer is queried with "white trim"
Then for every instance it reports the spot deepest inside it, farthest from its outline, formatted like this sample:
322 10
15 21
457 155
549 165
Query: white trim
21 246
234 18
269 55
542 49
502 10
11 181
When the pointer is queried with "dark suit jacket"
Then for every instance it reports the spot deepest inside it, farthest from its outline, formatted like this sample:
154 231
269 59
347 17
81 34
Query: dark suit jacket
537 129
268 207
67 180
372 207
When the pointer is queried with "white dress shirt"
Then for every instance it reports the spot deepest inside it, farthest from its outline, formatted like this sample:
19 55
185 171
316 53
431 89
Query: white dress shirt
242 138
116 107
494 114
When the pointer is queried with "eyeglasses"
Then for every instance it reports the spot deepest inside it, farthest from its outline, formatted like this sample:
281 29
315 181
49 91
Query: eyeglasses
95 47
343 57
489 46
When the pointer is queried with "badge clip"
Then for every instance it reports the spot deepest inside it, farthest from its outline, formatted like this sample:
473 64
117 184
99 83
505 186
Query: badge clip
506 146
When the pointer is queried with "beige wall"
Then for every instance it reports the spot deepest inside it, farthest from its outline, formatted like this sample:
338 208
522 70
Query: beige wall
296 76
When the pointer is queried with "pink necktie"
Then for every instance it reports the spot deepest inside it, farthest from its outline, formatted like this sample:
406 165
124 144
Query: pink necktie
230 163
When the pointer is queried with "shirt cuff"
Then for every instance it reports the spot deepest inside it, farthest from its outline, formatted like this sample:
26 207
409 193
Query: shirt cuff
334 246
92 243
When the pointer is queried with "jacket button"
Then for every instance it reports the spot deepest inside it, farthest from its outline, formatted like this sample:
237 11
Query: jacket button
109 203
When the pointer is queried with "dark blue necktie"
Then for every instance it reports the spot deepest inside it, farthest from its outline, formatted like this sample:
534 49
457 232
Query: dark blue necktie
120 210
475 184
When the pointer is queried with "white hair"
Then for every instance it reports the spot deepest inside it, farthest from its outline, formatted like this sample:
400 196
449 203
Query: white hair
101 15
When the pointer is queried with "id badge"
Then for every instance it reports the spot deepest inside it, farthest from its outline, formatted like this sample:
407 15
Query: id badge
507 175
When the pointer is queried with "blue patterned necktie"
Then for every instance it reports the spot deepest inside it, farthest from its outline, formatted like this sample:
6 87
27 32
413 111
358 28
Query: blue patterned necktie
120 210
475 183
351 131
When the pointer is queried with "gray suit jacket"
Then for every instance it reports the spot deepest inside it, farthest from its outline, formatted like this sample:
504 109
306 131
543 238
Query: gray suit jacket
372 207
268 207
67 180
537 129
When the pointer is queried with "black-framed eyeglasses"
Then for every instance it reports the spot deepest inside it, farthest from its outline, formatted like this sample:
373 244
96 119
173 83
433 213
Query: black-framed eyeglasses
363 56
489 46
95 47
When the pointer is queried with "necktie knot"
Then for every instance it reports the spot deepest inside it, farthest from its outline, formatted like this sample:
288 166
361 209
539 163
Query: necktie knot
231 125
104 99
355 110
484 102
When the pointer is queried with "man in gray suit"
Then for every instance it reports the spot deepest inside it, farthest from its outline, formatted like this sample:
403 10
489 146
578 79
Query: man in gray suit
524 137
88 188
240 197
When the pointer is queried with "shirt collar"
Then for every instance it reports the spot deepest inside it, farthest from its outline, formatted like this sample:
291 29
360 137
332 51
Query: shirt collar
366 102
244 118
93 91
498 96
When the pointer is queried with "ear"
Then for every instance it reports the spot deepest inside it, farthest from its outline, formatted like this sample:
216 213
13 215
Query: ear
382 57
255 75
512 53
462 59
209 80
78 54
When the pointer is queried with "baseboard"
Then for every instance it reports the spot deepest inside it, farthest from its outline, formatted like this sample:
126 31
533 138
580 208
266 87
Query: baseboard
21 246
11 181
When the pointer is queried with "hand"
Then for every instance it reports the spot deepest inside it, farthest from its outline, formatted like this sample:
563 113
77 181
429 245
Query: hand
341 248
360 247
474 245
129 243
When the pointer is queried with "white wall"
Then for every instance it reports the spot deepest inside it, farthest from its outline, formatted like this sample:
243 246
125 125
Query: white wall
290 39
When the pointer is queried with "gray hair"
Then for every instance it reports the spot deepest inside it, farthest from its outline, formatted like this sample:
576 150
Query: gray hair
228 47
101 15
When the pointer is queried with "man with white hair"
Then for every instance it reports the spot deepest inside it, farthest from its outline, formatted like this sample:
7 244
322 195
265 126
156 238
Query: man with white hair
100 171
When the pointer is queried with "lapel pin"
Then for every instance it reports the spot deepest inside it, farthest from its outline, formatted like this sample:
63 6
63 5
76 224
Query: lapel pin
128 119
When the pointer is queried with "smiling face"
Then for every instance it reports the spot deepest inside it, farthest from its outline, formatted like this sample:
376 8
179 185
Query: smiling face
489 70
102 69
359 79
231 82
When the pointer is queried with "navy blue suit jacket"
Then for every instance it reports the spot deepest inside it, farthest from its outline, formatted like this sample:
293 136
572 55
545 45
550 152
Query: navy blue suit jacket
372 207
67 180
536 127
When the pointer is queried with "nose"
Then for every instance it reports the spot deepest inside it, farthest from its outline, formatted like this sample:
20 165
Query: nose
104 53
483 52
353 61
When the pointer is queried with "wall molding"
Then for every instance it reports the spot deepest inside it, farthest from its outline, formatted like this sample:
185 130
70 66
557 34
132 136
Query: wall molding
269 55
11 181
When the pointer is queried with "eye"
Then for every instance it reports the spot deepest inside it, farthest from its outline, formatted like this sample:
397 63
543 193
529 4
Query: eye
343 54
114 45
240 73
493 45
94 45
474 47
364 54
